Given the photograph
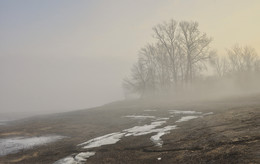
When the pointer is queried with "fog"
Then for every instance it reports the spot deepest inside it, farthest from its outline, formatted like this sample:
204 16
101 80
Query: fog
58 56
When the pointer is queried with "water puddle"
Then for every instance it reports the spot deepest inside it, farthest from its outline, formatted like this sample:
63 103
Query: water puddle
16 144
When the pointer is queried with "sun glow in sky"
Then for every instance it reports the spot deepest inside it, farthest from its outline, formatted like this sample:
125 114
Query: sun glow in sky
64 55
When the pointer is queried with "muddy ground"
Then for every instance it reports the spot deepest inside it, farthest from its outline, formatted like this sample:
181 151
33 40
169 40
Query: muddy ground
230 135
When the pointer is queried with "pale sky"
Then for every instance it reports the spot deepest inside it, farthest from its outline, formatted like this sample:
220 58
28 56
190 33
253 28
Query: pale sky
64 55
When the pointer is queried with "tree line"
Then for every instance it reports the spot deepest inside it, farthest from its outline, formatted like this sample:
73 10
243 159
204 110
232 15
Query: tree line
179 56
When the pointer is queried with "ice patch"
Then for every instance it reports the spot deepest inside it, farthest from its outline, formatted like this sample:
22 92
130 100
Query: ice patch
13 145
143 130
80 158
139 117
156 139
183 112
103 140
187 118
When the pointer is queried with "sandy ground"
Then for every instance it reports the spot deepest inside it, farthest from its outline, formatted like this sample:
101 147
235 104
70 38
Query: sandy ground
230 135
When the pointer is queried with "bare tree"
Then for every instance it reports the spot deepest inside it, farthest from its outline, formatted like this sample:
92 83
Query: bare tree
166 35
220 65
242 59
164 72
177 56
195 45
147 56
139 79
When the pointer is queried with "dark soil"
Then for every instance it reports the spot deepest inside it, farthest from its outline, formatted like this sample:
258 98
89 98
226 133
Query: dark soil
230 135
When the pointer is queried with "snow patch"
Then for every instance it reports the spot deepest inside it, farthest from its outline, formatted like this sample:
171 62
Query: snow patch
80 158
139 117
183 112
67 160
156 139
84 156
113 138
187 118
143 130
16 144
108 139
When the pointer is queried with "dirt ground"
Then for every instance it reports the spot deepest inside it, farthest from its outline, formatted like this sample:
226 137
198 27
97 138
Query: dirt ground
230 135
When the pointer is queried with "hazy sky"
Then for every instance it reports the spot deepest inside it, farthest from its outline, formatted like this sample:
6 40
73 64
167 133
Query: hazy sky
63 55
